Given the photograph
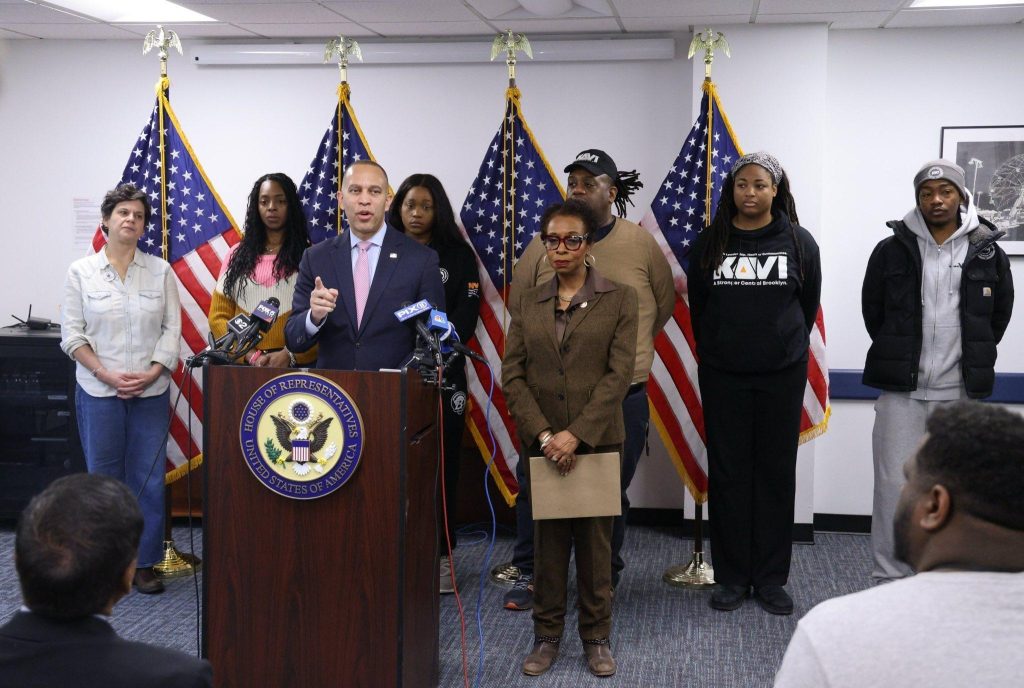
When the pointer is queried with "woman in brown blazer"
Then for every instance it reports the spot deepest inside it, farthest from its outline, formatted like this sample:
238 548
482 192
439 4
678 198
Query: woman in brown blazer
569 358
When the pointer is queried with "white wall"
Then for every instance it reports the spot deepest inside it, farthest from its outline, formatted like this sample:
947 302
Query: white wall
889 95
852 115
69 113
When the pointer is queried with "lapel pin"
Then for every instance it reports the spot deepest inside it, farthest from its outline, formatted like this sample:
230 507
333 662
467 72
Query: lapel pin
392 255
583 305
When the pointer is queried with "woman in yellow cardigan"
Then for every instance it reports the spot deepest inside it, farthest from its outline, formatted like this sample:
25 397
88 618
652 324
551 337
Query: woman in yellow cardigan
264 264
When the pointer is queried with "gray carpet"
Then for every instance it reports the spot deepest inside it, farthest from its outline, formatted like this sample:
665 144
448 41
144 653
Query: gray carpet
662 636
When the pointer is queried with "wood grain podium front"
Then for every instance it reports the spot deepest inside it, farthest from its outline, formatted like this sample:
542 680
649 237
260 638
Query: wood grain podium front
340 590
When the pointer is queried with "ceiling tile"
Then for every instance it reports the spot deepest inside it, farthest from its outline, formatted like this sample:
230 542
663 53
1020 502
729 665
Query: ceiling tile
26 13
493 8
14 35
323 30
422 10
826 6
265 13
196 4
534 26
81 31
683 23
675 8
427 29
197 30
835 20
956 17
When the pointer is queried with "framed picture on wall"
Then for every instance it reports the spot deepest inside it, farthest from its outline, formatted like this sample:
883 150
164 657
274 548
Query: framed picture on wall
993 162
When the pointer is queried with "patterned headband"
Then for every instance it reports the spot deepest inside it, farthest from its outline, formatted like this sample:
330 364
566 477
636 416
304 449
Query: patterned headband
765 160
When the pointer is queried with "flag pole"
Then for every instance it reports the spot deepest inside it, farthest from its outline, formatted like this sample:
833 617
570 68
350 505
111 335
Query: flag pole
698 573
174 564
510 44
341 48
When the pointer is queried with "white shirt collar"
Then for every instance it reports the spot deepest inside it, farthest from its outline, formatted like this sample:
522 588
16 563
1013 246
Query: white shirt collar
377 239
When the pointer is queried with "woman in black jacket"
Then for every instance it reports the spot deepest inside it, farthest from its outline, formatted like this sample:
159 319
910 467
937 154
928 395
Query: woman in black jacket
421 209
754 283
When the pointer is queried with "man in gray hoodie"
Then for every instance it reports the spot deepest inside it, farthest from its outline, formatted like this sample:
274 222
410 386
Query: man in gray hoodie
936 300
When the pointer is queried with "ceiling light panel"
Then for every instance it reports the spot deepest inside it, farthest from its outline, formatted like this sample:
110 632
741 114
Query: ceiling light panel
132 11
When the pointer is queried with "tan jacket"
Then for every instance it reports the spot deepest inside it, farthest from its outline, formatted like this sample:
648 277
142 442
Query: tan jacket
577 384
628 255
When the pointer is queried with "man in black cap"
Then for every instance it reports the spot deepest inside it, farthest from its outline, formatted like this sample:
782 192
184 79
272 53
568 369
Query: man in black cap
937 298
626 253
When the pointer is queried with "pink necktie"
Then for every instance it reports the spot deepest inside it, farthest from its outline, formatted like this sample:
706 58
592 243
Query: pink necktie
362 279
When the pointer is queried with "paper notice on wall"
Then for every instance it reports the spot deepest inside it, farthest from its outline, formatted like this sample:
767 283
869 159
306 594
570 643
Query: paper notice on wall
87 221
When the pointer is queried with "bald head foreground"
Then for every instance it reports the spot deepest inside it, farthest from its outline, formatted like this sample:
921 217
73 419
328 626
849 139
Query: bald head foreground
960 526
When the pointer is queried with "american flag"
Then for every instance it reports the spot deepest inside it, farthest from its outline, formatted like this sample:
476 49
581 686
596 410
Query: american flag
320 187
683 206
501 214
192 230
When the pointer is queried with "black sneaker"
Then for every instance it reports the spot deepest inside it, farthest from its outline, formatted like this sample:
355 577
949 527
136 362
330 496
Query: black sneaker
520 597
774 599
727 598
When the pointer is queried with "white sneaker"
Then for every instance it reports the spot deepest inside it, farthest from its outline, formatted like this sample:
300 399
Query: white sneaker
446 586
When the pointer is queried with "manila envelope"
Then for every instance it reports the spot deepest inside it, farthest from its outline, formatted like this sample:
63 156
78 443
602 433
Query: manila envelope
590 489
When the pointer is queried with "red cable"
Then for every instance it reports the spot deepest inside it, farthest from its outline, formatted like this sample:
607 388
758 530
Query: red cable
447 537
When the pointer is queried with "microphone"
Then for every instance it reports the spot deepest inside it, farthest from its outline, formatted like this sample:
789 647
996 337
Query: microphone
412 310
445 331
466 351
439 324
415 310
244 332
261 320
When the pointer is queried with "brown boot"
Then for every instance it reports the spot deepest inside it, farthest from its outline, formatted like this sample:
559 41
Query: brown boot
146 582
542 657
599 657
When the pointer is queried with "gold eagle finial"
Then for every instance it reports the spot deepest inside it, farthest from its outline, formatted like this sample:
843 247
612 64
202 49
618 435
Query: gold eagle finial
343 48
710 41
510 43
161 39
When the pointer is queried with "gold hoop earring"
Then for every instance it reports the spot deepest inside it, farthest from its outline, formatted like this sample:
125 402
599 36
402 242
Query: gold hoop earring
544 258
593 260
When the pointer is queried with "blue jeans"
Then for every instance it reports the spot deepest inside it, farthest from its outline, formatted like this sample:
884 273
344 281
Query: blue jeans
636 416
122 438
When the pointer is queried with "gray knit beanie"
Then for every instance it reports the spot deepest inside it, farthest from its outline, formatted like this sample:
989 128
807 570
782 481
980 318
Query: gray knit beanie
941 169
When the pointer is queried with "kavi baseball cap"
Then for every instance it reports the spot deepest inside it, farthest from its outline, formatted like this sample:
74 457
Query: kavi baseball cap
595 161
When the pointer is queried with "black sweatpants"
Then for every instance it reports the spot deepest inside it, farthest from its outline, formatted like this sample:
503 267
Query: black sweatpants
752 425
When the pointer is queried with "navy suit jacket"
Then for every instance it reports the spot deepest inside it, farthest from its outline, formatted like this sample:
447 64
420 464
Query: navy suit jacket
407 271
39 652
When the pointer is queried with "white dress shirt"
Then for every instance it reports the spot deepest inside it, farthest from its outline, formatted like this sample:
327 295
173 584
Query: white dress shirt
130 325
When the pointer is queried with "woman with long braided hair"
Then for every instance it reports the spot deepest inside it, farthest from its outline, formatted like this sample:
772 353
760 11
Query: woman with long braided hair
754 282
264 264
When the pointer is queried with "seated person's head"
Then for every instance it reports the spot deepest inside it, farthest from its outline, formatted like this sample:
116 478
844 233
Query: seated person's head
967 476
76 545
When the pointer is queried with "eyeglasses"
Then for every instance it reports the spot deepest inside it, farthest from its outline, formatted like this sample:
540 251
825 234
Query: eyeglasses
572 242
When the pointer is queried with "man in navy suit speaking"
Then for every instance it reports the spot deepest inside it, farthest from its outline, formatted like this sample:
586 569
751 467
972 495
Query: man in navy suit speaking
349 287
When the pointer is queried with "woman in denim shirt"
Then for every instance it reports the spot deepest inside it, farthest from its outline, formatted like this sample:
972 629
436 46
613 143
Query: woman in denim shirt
122 325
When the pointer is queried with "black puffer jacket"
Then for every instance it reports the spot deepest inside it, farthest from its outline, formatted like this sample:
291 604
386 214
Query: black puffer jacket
891 304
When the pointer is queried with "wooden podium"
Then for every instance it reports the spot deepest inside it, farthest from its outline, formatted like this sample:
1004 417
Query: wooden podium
341 590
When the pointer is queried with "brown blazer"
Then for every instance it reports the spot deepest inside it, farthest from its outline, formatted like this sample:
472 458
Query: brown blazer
577 384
